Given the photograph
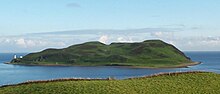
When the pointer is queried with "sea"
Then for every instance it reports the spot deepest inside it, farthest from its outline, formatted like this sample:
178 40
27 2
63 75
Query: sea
13 74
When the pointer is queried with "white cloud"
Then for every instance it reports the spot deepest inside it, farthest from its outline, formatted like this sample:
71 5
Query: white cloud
20 42
62 44
157 34
171 42
24 43
38 42
30 43
123 39
103 39
120 39
7 41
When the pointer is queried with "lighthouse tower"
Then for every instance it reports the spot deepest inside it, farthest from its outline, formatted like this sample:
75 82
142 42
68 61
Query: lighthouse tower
15 56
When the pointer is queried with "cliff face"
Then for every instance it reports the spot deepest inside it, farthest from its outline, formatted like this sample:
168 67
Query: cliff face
147 53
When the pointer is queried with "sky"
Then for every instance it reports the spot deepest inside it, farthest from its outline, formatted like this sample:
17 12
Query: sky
34 25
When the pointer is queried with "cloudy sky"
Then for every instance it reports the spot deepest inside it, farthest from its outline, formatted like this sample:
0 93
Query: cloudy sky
34 25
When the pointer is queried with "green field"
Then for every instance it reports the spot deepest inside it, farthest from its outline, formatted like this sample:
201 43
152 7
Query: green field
149 53
185 83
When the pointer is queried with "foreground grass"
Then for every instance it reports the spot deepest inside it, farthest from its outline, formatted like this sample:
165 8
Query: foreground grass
187 83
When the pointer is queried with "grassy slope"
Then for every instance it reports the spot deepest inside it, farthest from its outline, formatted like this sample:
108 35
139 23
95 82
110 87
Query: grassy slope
191 83
151 53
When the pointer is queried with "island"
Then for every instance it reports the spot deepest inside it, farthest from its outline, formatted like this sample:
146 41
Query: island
146 54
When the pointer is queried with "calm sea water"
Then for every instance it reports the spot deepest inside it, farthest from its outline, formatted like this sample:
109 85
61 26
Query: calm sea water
10 74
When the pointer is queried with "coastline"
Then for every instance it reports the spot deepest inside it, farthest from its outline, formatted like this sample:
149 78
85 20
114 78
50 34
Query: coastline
185 65
166 67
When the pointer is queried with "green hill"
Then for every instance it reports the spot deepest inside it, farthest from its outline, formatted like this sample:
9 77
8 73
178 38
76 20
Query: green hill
182 83
150 53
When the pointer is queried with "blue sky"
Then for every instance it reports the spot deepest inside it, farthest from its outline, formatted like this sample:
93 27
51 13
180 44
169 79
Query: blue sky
186 21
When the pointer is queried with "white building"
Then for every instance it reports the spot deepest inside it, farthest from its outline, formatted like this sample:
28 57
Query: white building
15 56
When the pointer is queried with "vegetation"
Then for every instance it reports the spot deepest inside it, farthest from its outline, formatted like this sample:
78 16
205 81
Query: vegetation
150 53
174 83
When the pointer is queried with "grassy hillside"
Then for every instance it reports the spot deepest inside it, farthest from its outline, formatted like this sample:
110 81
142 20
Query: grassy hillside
150 53
185 83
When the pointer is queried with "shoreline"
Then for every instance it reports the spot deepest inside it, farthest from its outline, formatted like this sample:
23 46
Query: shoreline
166 67
185 65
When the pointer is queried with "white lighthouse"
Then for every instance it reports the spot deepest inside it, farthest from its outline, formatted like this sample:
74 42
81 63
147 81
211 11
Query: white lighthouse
15 56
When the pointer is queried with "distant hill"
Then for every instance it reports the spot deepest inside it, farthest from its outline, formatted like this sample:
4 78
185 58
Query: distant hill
149 53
